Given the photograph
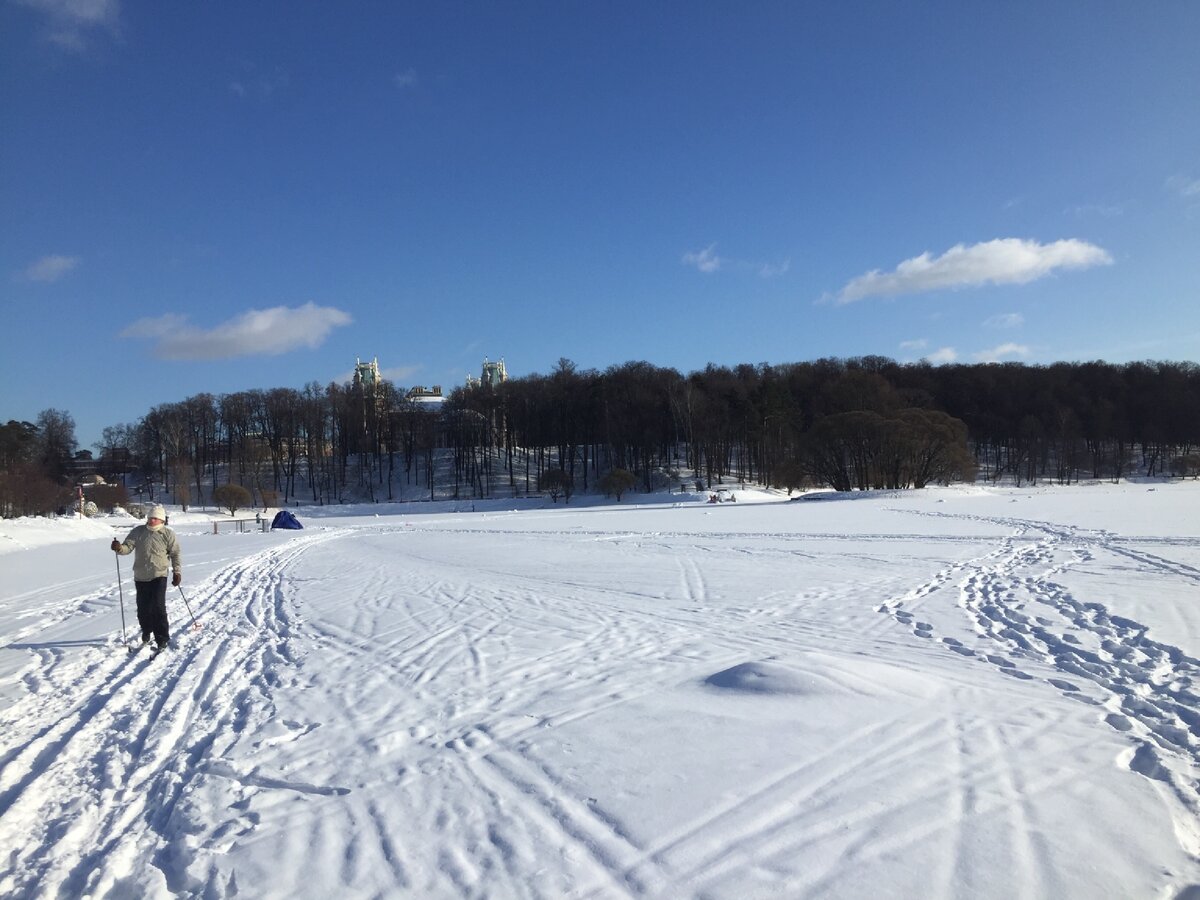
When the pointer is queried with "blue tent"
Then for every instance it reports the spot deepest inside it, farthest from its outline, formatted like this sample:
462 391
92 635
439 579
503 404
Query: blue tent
284 519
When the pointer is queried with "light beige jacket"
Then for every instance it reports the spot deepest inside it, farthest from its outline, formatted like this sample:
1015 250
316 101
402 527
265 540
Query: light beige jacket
152 551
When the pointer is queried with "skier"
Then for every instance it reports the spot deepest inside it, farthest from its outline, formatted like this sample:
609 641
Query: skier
153 545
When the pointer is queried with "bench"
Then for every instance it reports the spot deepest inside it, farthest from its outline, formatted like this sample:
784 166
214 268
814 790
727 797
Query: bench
242 525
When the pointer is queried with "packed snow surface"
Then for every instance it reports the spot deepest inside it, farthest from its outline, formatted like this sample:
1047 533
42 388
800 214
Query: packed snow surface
943 693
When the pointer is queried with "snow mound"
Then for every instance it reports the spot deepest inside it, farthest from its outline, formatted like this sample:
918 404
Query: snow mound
765 677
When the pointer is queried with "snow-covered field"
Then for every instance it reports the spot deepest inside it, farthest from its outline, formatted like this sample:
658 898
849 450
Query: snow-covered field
956 692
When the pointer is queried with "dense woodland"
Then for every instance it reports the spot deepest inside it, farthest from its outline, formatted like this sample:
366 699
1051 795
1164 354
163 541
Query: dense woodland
849 424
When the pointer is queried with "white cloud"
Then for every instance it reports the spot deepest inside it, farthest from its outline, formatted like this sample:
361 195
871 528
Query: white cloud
1104 211
998 353
400 374
1005 320
405 79
158 327
50 268
257 332
258 85
915 349
1000 261
705 260
942 355
1183 186
69 22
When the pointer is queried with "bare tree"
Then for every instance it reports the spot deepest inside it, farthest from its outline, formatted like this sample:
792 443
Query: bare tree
56 441
26 490
233 497
617 482
556 482
18 444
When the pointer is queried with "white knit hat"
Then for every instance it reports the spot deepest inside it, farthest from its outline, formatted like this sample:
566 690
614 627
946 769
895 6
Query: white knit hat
157 513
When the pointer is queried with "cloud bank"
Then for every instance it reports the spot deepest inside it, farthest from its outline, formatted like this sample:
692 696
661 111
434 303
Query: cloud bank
1000 261
50 268
256 332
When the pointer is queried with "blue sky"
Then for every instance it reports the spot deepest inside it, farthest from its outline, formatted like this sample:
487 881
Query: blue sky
220 196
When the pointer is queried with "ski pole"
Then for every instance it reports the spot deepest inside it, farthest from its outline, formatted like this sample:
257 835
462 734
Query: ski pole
121 594
195 624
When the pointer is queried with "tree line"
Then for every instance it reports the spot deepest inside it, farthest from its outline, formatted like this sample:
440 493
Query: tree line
860 423
866 422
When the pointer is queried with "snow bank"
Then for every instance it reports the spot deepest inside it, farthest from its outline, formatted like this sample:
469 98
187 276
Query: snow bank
26 532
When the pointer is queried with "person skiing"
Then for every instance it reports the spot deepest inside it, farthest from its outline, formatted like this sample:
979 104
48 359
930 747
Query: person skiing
153 546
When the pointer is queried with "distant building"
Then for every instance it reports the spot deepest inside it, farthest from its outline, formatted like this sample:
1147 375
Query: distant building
493 374
367 387
429 396
115 461
368 381
367 376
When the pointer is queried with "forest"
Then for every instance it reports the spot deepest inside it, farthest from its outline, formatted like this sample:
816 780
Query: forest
850 424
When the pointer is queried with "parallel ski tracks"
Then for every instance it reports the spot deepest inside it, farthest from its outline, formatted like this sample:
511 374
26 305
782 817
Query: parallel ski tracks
111 746
115 740
474 741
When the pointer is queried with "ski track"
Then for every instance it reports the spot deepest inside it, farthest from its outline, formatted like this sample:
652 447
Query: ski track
116 740
112 746
1031 626
523 811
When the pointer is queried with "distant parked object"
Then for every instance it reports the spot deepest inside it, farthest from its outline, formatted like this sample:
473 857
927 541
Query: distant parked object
284 519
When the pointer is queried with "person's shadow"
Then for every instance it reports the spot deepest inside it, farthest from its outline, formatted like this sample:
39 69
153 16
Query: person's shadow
49 645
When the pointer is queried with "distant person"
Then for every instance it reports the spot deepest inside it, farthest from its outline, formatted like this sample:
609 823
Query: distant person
153 545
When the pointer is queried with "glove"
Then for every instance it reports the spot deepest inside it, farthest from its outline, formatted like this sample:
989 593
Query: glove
176 579
116 546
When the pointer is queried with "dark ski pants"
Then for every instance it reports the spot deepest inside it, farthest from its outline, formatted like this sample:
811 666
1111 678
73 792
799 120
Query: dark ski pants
152 609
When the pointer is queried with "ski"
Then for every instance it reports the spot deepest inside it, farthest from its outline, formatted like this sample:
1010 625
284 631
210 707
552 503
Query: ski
136 648
157 651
